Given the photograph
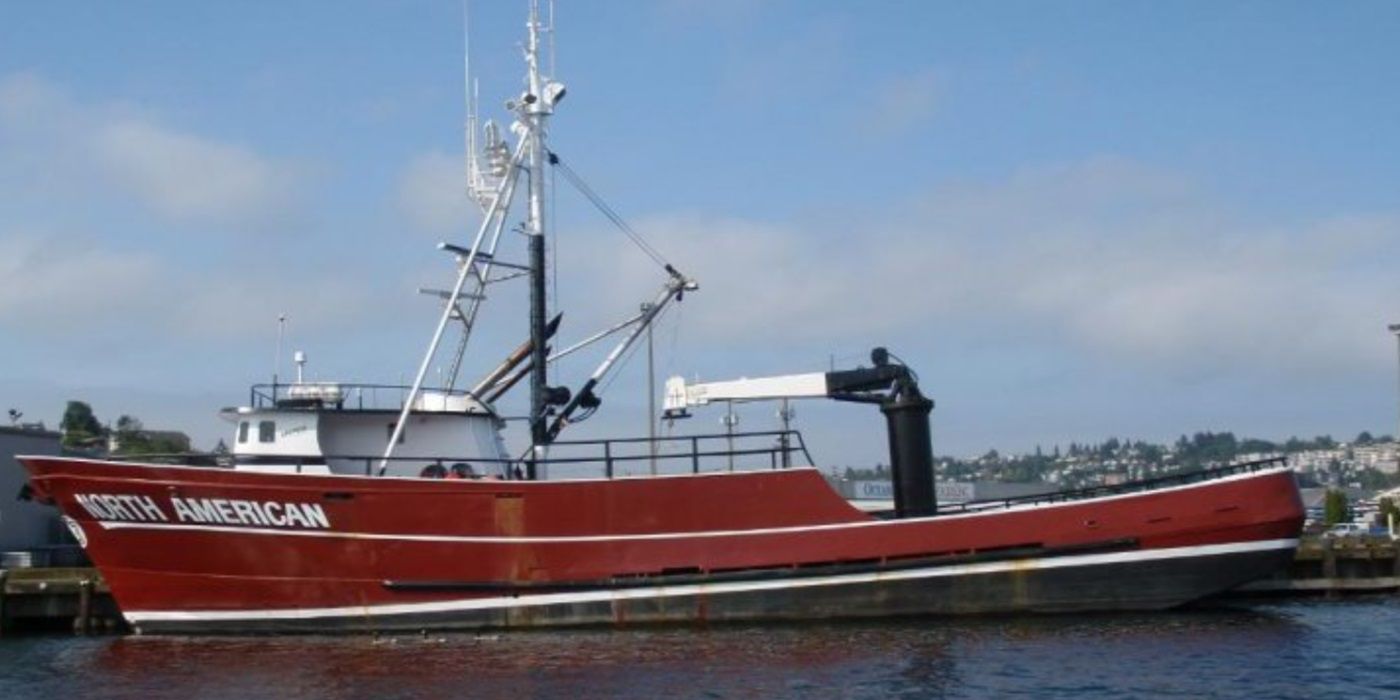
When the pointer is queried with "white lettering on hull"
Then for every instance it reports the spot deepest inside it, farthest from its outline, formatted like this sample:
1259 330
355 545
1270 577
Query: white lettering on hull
137 509
208 511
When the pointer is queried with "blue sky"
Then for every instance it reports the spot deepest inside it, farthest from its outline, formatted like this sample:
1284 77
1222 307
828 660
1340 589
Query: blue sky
1076 220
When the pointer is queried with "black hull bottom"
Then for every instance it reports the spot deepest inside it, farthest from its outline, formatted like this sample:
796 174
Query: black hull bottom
1114 582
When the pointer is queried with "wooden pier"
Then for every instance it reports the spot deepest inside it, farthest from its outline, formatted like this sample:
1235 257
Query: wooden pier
1334 567
54 599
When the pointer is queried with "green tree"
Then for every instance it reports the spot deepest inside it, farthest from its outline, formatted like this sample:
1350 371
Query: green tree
1257 445
129 425
1373 479
1387 509
79 425
130 438
1335 508
167 444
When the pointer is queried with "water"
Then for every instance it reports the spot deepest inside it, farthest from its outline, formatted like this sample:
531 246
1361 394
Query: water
1296 649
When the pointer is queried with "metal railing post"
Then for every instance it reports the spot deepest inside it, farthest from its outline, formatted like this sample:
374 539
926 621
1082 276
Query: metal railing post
695 455
607 458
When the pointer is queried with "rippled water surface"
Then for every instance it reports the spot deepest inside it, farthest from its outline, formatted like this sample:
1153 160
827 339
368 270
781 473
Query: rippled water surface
1295 649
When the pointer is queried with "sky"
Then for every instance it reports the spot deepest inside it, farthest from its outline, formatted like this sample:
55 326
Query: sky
1075 221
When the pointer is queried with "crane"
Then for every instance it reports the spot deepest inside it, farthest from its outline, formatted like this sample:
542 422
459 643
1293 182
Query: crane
889 383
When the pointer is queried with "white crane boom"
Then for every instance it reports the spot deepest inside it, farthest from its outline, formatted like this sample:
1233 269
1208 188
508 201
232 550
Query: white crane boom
681 396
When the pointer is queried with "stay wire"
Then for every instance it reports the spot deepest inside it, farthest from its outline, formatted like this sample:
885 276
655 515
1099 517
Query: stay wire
554 240
607 211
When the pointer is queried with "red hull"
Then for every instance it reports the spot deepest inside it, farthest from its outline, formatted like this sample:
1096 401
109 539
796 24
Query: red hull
211 549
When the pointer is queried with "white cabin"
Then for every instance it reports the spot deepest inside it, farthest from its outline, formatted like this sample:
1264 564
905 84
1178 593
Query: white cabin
315 429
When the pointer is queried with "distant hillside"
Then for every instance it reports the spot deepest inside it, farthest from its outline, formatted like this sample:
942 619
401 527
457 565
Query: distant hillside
1367 461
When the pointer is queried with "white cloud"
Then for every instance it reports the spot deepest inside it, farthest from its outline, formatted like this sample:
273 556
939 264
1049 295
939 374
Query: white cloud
57 144
237 305
45 283
1119 261
63 271
432 193
69 287
186 178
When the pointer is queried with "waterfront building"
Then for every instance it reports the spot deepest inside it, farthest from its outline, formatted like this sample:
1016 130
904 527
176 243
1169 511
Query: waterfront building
26 528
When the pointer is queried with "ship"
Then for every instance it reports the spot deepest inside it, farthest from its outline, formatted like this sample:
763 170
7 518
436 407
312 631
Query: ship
364 508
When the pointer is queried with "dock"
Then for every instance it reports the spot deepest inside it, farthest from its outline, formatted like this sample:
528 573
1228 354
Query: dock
57 599
1332 567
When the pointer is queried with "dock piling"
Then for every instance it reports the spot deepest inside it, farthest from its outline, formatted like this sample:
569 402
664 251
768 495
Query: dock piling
4 576
82 624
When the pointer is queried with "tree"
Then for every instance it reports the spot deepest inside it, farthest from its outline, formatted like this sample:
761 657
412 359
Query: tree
1335 508
1373 479
129 425
130 440
1252 445
79 425
1386 510
1365 438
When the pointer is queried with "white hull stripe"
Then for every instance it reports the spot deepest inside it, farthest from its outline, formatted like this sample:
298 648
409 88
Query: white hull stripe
138 617
185 527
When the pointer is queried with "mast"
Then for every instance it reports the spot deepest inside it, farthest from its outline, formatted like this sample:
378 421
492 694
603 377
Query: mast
494 187
535 112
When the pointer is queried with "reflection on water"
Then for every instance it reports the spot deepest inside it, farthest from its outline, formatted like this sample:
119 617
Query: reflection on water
1284 650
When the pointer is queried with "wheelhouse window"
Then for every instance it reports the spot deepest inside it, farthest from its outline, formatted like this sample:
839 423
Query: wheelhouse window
243 432
267 431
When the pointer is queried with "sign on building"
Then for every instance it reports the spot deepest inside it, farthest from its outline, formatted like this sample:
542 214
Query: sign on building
945 491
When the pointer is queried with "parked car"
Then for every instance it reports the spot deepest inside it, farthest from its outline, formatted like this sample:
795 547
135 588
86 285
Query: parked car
1345 530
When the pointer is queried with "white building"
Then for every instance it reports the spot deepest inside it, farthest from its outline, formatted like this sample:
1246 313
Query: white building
1384 456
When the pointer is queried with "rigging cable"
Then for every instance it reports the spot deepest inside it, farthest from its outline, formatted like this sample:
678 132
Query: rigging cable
554 207
606 210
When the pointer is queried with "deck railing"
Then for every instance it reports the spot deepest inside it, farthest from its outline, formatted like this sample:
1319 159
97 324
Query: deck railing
779 453
354 395
771 449
1177 479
